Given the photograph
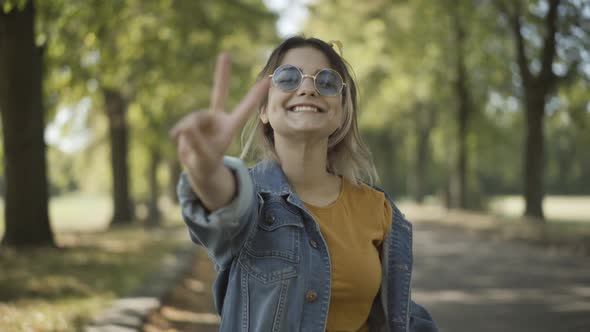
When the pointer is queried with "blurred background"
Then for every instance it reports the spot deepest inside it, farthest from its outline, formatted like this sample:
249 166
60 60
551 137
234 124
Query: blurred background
479 106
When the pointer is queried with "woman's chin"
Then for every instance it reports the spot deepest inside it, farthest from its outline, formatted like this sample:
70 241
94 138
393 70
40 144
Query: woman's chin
310 132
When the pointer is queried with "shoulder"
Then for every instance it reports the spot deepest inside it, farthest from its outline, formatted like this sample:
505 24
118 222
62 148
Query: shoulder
396 214
372 192
366 191
376 204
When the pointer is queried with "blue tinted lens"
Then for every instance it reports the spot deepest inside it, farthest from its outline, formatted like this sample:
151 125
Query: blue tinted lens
328 82
287 78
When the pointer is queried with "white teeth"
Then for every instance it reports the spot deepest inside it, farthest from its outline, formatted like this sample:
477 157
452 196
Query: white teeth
305 109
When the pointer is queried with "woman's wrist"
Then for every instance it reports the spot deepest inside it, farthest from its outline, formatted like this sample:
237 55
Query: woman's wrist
217 190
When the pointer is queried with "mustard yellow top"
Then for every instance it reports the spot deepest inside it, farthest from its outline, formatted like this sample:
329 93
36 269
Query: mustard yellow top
353 226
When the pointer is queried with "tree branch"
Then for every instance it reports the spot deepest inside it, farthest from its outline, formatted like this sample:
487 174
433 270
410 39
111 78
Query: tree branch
549 46
514 18
521 57
570 74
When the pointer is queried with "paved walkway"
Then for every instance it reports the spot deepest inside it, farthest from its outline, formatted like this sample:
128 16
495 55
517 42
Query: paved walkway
470 283
467 282
190 306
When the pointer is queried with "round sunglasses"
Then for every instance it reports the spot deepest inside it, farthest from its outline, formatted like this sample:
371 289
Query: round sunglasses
327 82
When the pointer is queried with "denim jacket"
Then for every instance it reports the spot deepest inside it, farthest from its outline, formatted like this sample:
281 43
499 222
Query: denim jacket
272 263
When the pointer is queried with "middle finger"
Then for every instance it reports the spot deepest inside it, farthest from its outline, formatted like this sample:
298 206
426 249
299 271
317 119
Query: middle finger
220 82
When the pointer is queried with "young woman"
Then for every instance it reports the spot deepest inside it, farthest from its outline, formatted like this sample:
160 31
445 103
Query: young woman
302 241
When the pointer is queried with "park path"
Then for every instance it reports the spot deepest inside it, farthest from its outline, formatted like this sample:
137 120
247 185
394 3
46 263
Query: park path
475 283
189 307
468 282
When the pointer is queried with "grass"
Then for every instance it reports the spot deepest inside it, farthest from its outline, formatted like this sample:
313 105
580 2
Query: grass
75 212
567 224
557 209
60 289
567 220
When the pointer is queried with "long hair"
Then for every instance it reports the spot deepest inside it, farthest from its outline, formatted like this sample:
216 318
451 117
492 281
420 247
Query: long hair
347 155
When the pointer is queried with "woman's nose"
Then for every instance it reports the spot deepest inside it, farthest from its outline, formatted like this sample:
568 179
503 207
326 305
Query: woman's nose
307 86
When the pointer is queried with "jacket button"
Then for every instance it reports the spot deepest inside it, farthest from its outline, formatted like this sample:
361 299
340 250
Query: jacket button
313 244
311 296
270 220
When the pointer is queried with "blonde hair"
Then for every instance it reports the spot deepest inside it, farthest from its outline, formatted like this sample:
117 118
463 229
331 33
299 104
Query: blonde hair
347 155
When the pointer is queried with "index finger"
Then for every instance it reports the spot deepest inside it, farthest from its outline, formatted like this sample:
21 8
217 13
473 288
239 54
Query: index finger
249 104
220 82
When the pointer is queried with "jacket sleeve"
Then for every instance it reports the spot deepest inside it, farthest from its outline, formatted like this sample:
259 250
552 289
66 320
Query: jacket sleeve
223 231
420 319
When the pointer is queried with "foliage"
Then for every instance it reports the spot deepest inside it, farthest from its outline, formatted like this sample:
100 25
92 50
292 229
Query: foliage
8 5
404 57
158 53
72 284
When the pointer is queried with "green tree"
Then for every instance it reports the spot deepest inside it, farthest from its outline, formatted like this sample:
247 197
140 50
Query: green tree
441 73
535 26
21 105
147 63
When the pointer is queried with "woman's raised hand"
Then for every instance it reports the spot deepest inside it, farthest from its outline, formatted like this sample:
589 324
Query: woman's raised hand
203 137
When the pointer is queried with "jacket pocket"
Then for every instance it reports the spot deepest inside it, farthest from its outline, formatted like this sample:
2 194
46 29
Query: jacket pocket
272 252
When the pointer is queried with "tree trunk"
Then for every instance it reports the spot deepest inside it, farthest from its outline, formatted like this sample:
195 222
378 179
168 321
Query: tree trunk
175 170
25 166
154 214
424 118
420 169
534 164
462 156
116 109
384 146
463 112
537 88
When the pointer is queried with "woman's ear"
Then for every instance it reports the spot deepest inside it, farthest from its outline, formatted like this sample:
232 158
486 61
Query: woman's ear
263 115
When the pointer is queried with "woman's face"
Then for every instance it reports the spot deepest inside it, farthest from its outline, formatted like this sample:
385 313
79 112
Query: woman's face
303 114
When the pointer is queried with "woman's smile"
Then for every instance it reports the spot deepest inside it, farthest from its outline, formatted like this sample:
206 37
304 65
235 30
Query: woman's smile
305 109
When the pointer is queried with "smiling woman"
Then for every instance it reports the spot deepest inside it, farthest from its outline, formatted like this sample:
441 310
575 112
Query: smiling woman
291 101
289 236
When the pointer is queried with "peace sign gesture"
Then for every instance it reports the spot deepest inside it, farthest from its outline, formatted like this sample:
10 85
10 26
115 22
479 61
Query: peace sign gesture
203 137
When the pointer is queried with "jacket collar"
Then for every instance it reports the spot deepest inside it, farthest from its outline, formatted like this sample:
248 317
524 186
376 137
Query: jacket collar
269 178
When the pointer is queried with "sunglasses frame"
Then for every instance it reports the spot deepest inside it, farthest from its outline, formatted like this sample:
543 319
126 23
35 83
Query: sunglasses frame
313 77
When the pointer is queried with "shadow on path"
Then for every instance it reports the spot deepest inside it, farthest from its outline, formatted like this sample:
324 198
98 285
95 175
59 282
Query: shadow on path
471 283
468 282
190 305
